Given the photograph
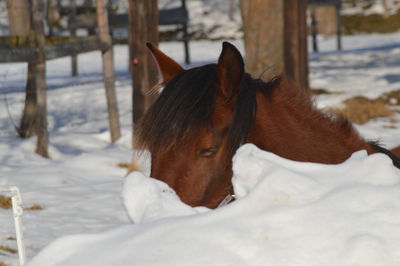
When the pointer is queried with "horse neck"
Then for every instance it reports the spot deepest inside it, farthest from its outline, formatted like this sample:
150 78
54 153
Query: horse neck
287 124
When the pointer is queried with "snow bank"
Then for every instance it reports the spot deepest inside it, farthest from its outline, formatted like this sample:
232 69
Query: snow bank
287 213
149 199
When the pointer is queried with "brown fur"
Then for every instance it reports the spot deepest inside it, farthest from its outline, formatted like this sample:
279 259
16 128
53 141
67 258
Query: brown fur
290 126
396 151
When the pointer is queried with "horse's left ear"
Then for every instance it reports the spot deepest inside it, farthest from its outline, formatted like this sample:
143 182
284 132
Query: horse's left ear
168 68
230 70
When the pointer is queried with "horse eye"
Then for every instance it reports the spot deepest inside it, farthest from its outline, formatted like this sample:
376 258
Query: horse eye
209 152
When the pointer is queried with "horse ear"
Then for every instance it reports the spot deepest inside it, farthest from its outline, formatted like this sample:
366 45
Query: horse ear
230 70
166 65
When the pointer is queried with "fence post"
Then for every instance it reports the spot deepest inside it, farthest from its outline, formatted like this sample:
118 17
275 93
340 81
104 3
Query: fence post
143 27
295 41
338 30
108 71
74 58
17 213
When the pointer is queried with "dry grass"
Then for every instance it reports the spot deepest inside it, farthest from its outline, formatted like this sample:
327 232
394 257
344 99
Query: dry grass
357 23
5 202
34 207
314 92
391 98
123 165
360 109
8 249
131 167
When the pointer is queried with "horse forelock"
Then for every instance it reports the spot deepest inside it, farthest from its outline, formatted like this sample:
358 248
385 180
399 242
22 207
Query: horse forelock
186 106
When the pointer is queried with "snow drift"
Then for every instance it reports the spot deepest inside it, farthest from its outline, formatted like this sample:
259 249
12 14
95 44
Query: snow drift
287 213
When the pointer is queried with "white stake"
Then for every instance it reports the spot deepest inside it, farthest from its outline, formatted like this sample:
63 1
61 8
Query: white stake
17 211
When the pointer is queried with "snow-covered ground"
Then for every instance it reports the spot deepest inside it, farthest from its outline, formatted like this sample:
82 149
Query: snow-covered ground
291 214
287 213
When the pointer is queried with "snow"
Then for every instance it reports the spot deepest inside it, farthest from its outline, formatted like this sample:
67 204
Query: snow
371 70
370 7
148 199
287 213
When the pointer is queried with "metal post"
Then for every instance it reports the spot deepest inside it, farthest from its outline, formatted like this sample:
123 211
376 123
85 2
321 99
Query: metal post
338 30
17 211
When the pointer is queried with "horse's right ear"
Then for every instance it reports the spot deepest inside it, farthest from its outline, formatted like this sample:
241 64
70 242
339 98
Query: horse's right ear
166 65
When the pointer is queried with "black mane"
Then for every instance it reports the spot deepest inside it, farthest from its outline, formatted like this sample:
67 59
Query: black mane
186 105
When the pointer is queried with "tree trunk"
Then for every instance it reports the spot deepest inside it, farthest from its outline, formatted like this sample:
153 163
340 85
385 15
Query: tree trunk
143 21
263 37
19 18
295 41
38 9
108 71
275 38
27 125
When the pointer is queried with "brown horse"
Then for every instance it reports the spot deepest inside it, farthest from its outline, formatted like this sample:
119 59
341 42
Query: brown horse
205 113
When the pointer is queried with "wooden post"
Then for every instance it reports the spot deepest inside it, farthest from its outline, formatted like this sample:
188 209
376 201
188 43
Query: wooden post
386 12
314 29
143 21
53 15
295 41
38 7
275 39
338 29
19 16
263 37
74 58
27 124
108 71
186 36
